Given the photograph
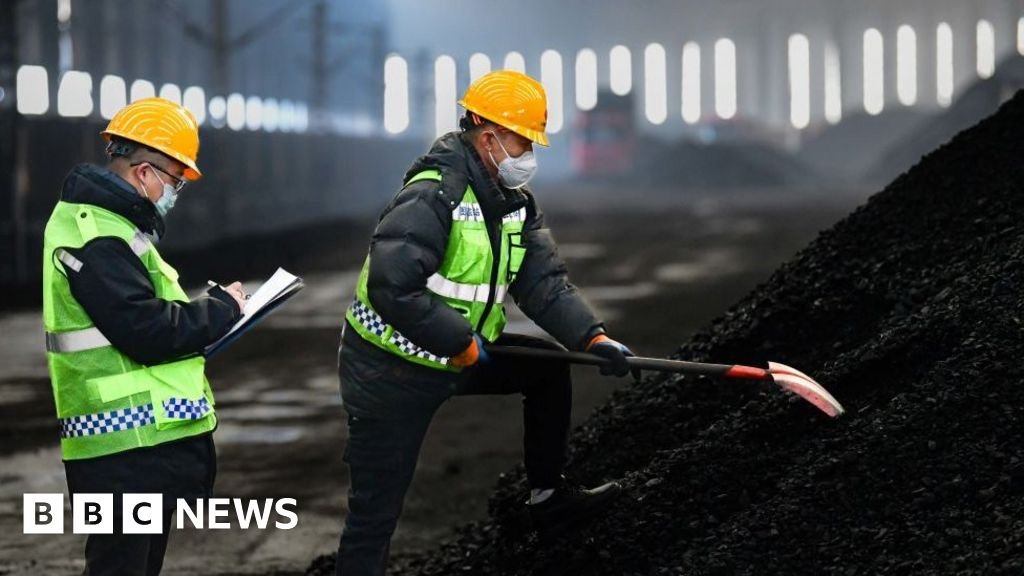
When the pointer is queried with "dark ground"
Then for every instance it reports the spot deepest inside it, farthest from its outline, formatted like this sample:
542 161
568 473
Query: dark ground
910 312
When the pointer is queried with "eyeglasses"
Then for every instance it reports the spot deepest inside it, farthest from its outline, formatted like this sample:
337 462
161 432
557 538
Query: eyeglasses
179 183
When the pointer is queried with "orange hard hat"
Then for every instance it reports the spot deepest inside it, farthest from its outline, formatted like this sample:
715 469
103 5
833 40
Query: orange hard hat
510 99
162 125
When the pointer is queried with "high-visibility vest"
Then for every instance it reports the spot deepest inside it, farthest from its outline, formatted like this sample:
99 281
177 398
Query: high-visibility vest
471 279
106 402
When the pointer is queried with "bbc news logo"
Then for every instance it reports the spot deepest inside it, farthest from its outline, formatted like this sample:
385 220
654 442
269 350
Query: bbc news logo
144 513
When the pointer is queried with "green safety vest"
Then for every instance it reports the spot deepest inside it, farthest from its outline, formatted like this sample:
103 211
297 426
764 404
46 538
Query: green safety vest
470 279
106 402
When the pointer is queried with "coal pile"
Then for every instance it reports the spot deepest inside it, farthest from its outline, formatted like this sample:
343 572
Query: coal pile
910 311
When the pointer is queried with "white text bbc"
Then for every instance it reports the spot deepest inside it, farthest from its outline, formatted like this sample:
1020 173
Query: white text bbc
144 513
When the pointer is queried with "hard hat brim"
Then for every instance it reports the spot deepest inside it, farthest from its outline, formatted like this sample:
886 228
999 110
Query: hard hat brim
191 173
534 136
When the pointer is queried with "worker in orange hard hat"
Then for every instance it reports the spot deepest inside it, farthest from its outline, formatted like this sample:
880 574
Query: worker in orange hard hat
124 342
462 234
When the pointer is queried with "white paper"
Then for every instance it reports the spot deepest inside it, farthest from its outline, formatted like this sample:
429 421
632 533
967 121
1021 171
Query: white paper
268 292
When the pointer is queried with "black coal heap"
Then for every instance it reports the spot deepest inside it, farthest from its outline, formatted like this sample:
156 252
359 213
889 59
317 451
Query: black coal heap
910 312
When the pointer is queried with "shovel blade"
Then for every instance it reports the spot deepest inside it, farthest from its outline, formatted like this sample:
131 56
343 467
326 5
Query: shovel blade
804 386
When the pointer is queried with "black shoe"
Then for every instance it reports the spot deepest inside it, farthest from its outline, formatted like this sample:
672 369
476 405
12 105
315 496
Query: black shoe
570 505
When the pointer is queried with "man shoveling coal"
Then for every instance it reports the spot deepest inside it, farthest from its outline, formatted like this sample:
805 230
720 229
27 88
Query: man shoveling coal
463 233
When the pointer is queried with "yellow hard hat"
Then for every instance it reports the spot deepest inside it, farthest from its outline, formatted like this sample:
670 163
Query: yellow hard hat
510 99
162 125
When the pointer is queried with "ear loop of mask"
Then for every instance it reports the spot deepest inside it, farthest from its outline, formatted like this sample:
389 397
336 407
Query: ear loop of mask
145 191
507 155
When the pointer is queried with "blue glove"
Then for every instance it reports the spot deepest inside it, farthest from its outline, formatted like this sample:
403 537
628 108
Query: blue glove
483 357
616 354
474 354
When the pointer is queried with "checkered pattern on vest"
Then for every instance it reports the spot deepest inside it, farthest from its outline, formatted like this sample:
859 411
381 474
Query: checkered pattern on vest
368 318
182 409
104 422
408 347
131 417
374 323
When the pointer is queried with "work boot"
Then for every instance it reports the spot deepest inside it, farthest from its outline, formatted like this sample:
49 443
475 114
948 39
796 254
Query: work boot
568 506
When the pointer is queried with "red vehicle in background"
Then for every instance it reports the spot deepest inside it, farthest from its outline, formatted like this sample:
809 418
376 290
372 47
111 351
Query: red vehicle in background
604 138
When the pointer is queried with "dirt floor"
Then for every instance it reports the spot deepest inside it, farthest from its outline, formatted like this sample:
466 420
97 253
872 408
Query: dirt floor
657 264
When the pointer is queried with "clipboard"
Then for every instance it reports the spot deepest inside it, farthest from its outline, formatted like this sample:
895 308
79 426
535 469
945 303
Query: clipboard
281 286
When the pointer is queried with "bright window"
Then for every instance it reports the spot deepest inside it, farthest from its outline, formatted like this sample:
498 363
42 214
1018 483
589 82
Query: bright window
195 100
620 70
586 79
479 64
396 95
113 95
799 81
445 112
655 84
944 64
691 83
874 72
33 93
551 78
833 85
725 78
906 65
74 97
142 89
986 49
236 112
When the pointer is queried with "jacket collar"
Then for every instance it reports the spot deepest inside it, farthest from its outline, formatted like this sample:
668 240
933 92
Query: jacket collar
457 160
91 184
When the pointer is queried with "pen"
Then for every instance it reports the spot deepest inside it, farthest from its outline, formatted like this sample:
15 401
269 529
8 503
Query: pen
211 284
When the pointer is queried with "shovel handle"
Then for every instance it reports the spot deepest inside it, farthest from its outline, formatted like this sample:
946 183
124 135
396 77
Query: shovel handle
656 364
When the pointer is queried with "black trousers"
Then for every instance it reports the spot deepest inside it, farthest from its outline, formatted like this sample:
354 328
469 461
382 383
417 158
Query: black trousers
390 403
183 468
126 554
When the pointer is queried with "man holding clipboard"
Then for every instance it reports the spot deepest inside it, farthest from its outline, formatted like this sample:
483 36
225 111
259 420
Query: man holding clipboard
124 342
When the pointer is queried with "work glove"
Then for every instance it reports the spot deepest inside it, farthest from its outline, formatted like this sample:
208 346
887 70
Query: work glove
616 354
474 354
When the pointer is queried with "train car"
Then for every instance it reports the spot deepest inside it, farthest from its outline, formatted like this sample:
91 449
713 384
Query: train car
604 137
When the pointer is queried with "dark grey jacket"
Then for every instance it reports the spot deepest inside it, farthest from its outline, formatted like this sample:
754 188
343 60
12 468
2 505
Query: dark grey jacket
409 244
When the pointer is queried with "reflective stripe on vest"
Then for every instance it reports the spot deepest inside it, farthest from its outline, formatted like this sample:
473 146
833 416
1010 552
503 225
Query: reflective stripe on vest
471 292
139 245
470 212
69 260
76 341
89 338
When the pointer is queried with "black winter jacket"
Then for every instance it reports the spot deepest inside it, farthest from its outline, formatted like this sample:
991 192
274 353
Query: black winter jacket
115 290
409 244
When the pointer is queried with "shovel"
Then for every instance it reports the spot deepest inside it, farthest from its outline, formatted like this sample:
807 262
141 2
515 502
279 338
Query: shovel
788 378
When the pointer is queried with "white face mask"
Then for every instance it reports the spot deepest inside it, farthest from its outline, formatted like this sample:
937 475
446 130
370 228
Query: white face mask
514 172
167 199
